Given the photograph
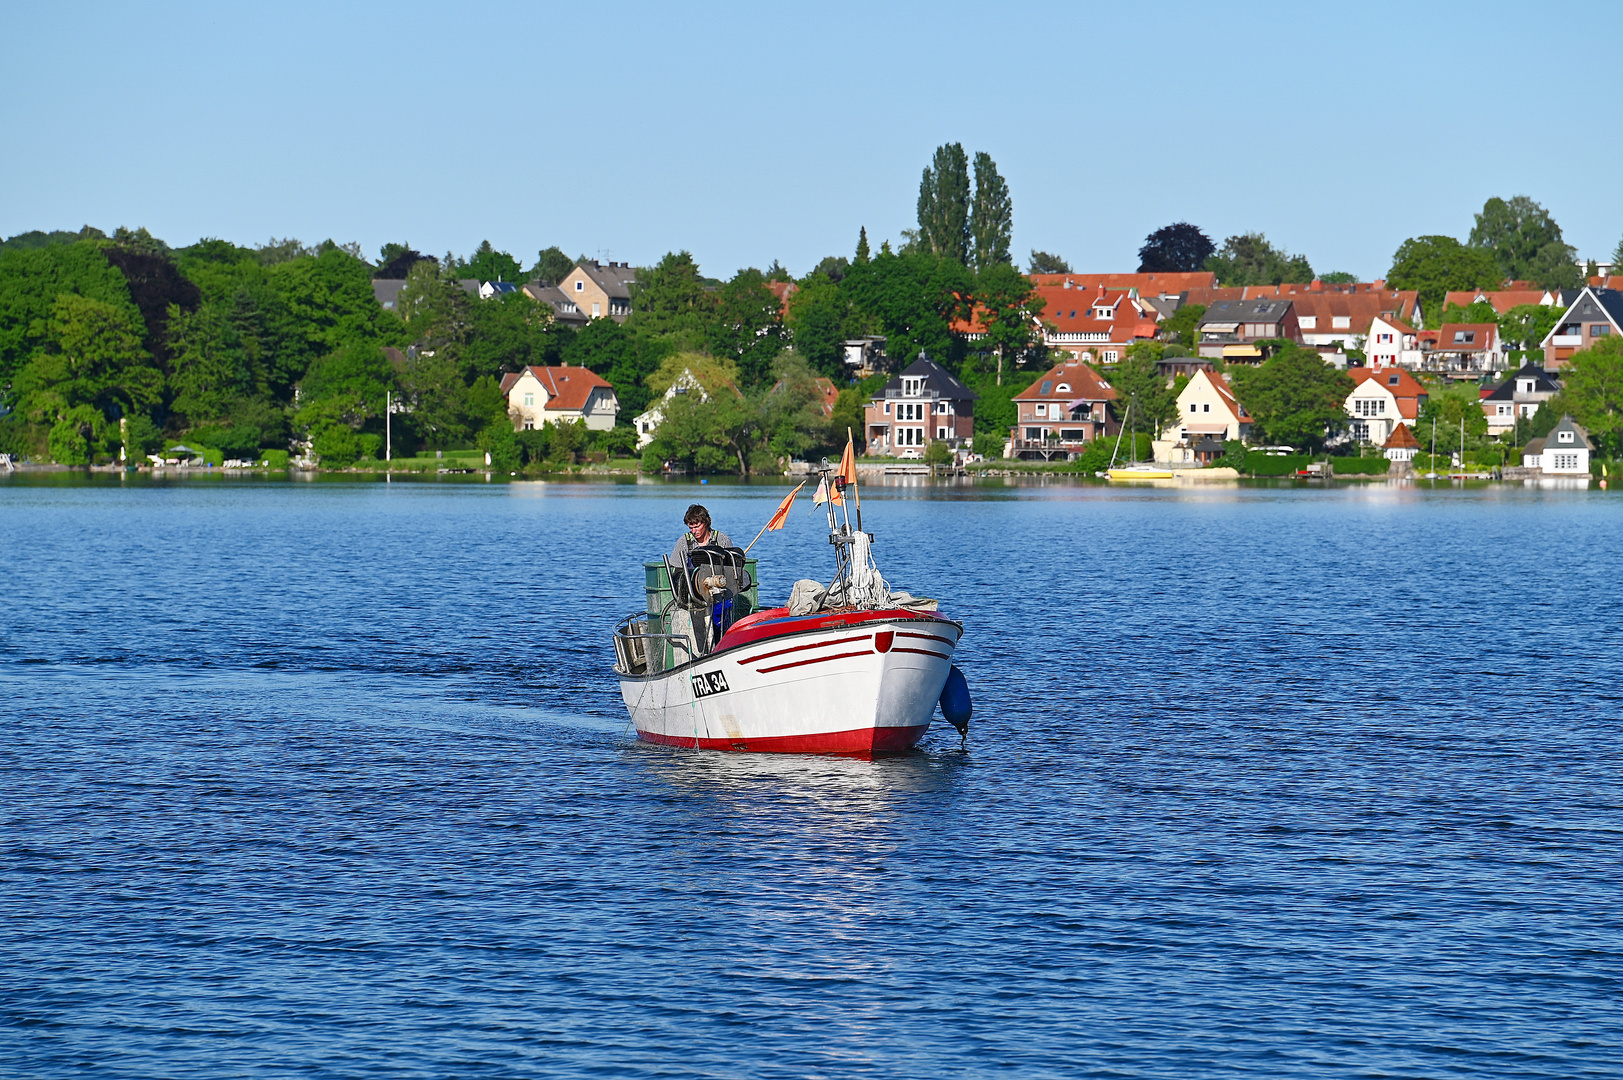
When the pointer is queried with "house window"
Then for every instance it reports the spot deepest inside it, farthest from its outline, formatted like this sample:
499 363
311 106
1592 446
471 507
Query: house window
529 425
1464 337
1108 356
580 286
1063 388
1360 431
1502 410
1566 461
529 399
1309 322
1193 407
1341 322
1042 409
597 309
941 432
1393 380
887 408
1034 433
943 408
1565 436
1206 406
1048 387
1599 330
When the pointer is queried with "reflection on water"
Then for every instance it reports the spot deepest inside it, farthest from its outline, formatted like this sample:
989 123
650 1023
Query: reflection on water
333 778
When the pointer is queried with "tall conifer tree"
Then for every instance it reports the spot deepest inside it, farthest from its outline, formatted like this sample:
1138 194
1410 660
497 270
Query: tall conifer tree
991 221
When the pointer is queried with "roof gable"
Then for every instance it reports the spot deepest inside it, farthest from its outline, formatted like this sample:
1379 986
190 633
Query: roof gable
936 378
1084 384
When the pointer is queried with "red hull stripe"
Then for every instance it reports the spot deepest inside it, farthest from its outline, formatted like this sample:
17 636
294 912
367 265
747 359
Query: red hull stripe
803 648
767 629
825 659
869 740
927 637
921 652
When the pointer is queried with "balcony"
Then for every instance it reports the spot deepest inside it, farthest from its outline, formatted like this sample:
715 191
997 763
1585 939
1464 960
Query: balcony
1567 341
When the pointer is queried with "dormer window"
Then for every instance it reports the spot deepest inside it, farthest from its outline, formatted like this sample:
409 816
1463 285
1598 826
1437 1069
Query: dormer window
910 387
1565 436
1392 380
1063 388
1527 386
1102 312
1464 337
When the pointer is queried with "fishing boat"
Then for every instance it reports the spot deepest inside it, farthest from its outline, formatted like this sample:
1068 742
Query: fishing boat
850 668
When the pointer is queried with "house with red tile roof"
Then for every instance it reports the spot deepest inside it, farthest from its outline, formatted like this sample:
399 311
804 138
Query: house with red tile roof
547 395
1208 414
1382 400
1403 304
784 291
1401 445
1502 300
1391 342
1095 324
1060 413
1159 283
1463 350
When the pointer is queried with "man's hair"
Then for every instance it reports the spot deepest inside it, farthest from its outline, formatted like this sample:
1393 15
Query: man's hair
696 513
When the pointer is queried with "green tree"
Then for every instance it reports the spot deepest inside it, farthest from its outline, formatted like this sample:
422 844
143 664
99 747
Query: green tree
1139 385
1044 263
1010 309
1526 325
509 333
1525 243
792 411
1249 259
488 264
1435 265
91 371
1338 277
914 298
341 393
943 207
1592 391
991 218
747 328
623 357
1180 326
552 265
671 299
715 433
1294 397
1175 248
31 279
820 320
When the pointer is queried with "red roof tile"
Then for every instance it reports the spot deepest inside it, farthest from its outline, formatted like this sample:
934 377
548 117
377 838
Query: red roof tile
1083 382
567 387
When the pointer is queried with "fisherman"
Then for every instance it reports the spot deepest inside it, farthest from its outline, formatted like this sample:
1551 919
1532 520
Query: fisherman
699 534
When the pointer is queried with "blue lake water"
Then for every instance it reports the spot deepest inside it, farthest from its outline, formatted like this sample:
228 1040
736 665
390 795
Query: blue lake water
331 779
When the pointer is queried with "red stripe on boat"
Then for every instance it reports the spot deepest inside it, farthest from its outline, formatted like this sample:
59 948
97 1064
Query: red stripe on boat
803 648
927 637
921 652
869 740
742 634
821 660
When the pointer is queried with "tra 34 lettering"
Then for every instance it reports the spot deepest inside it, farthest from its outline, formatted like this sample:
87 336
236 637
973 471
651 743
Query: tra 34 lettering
710 683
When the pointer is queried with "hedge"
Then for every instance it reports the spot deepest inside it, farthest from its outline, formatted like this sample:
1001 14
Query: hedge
1260 464
1352 466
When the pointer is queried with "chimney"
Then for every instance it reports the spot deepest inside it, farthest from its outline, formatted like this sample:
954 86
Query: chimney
1317 286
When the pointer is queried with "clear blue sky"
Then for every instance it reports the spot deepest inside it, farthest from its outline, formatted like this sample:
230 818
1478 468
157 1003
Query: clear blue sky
746 134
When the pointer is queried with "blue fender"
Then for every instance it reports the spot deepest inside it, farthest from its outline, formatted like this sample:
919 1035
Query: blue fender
955 703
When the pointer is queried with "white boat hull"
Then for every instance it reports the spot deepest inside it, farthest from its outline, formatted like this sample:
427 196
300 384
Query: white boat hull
864 685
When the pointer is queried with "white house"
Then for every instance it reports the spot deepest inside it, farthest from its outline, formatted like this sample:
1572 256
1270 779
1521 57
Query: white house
1392 343
1563 452
647 423
546 395
1207 409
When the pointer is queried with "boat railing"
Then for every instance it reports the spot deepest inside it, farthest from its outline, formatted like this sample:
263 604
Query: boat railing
631 639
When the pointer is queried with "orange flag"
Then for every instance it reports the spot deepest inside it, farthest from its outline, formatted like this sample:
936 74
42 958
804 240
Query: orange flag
848 469
783 509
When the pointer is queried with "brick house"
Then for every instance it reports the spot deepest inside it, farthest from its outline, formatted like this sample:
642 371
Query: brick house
1463 350
925 403
1517 397
1231 328
1096 324
1060 413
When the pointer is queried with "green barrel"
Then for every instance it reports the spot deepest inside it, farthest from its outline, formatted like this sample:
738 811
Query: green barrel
657 584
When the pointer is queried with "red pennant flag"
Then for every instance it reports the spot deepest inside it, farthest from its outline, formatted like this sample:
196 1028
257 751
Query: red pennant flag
782 514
